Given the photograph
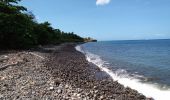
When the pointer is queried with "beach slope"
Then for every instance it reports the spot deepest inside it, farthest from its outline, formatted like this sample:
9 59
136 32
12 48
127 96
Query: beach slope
57 73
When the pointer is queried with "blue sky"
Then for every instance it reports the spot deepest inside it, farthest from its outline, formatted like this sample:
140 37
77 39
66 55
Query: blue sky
106 19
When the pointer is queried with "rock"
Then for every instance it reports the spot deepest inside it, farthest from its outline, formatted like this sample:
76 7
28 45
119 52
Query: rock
95 87
16 98
66 86
95 95
2 78
57 83
25 60
1 96
101 97
78 95
60 86
59 91
5 56
51 88
79 90
33 92
40 82
142 96
85 99
149 98
74 94
96 91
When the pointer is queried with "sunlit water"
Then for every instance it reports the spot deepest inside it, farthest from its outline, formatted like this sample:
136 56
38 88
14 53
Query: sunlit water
143 65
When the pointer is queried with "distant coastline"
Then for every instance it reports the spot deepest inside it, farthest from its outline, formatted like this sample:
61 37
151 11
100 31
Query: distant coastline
89 39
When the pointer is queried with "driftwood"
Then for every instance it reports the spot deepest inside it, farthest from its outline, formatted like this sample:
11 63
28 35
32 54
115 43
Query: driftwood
2 59
6 66
36 55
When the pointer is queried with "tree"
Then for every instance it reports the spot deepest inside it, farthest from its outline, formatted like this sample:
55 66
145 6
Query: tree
15 26
8 2
19 29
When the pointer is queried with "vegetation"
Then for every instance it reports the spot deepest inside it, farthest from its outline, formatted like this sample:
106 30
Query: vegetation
89 39
19 29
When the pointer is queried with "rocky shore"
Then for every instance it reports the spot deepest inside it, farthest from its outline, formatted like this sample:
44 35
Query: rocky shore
57 73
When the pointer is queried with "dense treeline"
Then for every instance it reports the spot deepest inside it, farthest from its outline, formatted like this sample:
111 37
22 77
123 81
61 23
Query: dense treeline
19 29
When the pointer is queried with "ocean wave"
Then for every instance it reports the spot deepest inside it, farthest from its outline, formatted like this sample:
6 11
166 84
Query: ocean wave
122 76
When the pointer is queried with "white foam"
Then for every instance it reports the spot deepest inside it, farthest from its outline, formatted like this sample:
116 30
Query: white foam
149 90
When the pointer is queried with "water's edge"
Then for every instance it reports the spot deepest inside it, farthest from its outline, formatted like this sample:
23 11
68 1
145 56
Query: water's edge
149 90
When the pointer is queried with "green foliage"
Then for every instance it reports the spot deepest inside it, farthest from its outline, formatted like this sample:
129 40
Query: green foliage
8 2
20 30
43 32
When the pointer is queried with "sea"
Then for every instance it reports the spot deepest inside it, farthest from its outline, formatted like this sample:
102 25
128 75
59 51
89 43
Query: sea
143 65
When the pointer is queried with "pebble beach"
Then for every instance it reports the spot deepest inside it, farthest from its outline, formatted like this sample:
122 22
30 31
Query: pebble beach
57 73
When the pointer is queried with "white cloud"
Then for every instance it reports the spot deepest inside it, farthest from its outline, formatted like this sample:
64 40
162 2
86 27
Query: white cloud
102 2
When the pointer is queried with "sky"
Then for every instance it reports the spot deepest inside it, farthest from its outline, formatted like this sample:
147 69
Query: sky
106 19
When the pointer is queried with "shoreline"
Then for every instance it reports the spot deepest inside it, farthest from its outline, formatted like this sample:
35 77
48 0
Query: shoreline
59 72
